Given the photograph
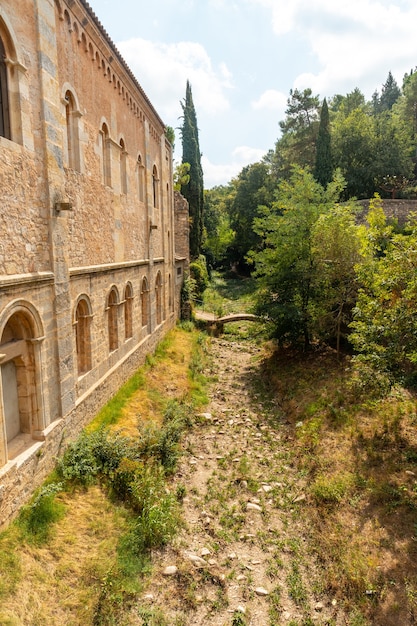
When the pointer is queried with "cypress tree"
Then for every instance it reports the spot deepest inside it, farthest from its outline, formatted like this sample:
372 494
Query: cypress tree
323 172
193 191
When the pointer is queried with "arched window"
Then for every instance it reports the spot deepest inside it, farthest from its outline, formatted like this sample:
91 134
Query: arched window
112 308
144 301
128 311
106 160
123 168
72 132
155 184
5 130
21 403
158 298
82 336
140 175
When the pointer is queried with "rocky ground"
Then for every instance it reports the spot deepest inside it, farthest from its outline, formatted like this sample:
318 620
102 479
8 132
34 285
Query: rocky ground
243 557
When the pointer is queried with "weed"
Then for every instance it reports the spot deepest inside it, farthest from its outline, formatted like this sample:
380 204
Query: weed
153 617
238 619
295 584
275 606
332 489
180 492
36 518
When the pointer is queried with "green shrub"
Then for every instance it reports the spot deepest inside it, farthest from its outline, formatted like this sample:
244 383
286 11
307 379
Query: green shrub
79 463
157 524
199 273
37 517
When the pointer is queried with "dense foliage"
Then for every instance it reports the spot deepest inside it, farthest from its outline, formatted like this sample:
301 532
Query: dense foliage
306 269
293 221
193 187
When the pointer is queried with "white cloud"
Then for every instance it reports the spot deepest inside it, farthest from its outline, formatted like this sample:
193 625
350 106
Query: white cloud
271 100
355 42
163 69
221 174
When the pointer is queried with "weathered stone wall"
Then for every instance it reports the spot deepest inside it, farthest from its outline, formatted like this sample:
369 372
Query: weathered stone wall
182 253
393 208
18 478
87 210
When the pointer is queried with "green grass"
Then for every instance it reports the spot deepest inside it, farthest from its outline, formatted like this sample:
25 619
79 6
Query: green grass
110 413
132 470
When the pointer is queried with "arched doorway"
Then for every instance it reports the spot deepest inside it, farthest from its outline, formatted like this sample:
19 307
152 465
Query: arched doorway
20 400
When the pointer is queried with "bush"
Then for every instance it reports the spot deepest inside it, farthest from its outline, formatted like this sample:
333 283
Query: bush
79 463
156 525
199 273
37 516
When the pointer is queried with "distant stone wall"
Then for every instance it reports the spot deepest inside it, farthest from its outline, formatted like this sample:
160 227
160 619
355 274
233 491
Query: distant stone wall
182 249
394 209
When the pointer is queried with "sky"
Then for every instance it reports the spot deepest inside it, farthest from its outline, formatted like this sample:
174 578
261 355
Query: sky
242 57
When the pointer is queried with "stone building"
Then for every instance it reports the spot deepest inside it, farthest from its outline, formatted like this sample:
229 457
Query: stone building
89 274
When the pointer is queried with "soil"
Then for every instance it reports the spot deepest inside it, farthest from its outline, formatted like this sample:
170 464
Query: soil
243 556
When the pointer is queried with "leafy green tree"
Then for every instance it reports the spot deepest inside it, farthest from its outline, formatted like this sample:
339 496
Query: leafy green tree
193 191
344 105
218 234
252 189
389 95
181 176
385 321
323 171
393 163
354 149
287 267
337 250
297 145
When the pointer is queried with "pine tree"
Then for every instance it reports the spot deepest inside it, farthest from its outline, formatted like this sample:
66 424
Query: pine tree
390 93
323 172
193 191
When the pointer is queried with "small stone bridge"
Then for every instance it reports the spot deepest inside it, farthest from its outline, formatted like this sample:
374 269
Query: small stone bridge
215 324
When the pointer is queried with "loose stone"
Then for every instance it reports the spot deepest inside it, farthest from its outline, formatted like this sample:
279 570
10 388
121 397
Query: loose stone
196 560
171 570
260 591
253 507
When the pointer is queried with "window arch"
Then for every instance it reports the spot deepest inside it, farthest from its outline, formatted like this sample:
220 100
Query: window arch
123 167
21 402
155 185
144 301
140 176
106 157
5 128
128 311
71 118
158 298
112 320
82 321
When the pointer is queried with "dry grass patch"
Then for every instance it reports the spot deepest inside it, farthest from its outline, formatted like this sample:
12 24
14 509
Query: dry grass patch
166 378
358 456
60 581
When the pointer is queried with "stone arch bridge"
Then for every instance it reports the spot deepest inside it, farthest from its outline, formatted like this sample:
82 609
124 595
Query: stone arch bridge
215 324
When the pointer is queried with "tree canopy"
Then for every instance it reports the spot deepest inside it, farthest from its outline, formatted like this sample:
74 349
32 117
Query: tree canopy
193 189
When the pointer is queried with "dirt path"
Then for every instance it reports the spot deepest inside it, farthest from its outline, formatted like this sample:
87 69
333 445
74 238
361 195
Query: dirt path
243 557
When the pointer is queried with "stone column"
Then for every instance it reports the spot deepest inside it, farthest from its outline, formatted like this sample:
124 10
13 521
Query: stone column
56 204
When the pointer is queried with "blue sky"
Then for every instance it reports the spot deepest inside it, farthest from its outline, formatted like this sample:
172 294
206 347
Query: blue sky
242 57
